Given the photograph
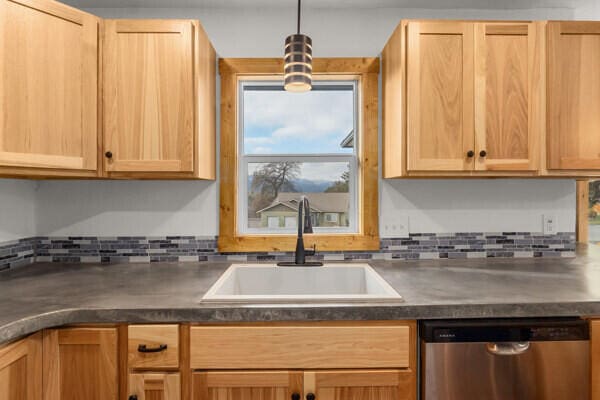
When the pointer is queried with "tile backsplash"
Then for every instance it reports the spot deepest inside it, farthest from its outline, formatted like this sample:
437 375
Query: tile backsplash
91 249
17 253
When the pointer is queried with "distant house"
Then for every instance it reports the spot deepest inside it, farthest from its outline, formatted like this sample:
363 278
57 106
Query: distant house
327 210
348 142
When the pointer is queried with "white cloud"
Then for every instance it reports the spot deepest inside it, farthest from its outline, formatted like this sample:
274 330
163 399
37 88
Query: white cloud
322 171
258 140
261 150
324 115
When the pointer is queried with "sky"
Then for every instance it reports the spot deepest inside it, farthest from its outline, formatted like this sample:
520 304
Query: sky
280 122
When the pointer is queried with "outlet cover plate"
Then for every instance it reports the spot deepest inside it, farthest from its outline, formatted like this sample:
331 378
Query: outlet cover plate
549 224
394 226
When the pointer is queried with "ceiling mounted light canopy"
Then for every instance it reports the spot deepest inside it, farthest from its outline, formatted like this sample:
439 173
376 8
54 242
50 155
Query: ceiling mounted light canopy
297 69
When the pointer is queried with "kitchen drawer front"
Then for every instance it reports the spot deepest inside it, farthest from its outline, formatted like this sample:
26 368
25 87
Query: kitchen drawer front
318 345
161 346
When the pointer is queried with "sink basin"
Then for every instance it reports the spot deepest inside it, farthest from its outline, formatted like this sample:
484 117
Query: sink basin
266 283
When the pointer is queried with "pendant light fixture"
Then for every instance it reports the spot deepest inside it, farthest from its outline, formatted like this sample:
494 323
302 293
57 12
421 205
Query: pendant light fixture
297 70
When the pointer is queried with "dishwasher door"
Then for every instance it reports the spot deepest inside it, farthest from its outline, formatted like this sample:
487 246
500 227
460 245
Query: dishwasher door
511 360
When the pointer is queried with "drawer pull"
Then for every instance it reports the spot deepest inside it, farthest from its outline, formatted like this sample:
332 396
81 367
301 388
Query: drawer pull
143 349
295 396
310 396
133 397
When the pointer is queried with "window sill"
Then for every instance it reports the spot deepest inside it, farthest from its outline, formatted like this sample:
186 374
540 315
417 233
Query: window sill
327 242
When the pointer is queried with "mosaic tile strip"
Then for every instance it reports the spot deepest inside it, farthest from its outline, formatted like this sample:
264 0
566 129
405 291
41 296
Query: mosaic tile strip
117 249
89 249
17 253
418 246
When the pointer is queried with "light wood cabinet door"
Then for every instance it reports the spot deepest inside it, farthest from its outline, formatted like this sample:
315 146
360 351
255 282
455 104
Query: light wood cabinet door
595 359
246 385
361 385
439 96
149 96
21 369
154 386
80 363
573 95
507 96
48 87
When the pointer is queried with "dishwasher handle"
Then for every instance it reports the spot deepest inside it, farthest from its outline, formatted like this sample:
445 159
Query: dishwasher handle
507 348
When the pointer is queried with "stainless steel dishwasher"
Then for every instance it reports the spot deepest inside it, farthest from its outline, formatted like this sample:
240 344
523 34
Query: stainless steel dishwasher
534 359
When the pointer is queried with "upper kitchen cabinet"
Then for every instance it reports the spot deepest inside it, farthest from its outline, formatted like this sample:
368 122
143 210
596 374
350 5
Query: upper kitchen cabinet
159 100
508 104
573 98
440 96
462 99
48 89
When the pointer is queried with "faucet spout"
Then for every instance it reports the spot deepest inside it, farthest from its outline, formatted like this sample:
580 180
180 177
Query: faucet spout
304 226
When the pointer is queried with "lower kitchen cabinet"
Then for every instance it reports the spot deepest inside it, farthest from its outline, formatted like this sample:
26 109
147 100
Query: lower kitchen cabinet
360 385
21 369
155 386
373 360
595 358
246 385
393 384
80 363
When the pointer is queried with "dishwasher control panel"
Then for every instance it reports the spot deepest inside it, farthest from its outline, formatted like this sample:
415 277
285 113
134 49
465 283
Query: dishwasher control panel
514 330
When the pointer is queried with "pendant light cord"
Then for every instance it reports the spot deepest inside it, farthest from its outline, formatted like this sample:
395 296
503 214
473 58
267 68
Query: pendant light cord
299 1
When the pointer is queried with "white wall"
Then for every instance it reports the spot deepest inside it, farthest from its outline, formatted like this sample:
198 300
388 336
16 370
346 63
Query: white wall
489 205
260 32
107 208
17 209
162 208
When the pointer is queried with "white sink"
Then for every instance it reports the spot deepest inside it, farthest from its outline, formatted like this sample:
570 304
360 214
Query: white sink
272 284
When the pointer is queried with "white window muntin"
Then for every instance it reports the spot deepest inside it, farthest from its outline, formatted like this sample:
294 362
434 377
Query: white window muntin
245 159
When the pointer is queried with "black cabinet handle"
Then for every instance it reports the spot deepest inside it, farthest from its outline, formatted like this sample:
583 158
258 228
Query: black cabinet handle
295 396
108 154
143 349
470 153
482 153
310 396
133 397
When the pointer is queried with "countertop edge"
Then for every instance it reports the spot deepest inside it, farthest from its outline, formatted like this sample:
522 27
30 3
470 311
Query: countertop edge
252 313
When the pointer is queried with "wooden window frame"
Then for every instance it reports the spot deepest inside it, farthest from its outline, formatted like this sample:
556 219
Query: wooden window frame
582 223
232 70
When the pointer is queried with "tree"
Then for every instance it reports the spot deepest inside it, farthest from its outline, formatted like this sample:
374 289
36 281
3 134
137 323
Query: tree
594 196
269 181
342 185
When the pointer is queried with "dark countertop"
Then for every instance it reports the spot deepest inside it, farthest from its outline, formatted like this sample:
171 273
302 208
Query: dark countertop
45 295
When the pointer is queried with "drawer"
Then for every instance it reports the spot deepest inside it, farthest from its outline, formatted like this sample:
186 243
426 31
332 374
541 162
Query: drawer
317 345
153 346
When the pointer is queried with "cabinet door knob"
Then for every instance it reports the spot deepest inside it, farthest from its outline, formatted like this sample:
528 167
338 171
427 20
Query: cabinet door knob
295 396
310 396
482 153
108 154
470 153
133 397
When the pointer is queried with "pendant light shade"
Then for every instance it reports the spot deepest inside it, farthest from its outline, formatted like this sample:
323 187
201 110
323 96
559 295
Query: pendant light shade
297 70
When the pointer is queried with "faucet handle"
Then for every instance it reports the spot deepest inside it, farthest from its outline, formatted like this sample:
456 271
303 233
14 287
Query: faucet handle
311 252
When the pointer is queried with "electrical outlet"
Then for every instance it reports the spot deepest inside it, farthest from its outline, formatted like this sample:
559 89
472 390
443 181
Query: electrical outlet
394 226
549 224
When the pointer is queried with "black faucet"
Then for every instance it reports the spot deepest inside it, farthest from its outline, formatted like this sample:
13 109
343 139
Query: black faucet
304 226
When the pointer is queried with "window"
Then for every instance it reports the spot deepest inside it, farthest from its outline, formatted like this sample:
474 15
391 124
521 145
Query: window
294 145
331 217
290 222
323 145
